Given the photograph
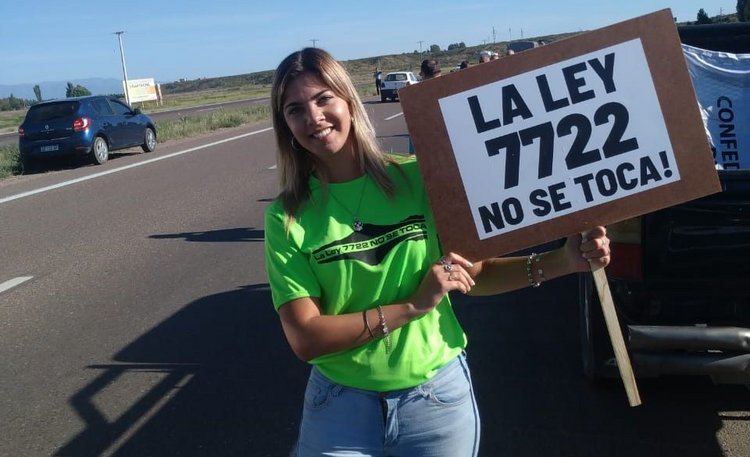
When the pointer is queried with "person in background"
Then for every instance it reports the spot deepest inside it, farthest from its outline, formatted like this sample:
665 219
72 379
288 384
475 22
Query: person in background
464 64
484 56
389 373
430 68
509 52
378 75
495 56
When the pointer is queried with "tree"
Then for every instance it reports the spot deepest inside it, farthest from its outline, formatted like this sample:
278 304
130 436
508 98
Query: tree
434 48
76 90
38 92
703 17
743 10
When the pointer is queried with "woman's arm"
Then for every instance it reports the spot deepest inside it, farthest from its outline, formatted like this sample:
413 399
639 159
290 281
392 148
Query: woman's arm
312 334
504 274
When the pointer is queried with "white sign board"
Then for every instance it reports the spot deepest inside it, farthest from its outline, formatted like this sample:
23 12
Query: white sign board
141 90
559 139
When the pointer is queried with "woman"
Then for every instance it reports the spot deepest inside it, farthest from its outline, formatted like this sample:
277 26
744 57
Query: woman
360 283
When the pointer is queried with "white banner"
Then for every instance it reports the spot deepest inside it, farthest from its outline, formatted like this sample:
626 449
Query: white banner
722 85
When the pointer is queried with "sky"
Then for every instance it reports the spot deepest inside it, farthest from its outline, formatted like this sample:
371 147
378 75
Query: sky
52 40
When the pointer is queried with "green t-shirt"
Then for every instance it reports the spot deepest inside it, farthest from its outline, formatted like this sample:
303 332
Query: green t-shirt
322 256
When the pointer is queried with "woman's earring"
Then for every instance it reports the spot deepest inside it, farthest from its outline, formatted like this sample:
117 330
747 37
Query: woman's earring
294 145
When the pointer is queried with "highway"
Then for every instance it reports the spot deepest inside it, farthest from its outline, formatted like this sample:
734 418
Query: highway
12 137
136 320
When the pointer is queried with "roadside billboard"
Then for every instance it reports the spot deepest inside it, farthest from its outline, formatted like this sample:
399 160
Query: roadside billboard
141 90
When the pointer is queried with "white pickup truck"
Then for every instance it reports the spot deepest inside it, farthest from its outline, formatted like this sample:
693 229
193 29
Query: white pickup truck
394 81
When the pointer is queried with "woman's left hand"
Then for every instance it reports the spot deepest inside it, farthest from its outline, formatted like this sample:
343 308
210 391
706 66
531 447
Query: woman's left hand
590 250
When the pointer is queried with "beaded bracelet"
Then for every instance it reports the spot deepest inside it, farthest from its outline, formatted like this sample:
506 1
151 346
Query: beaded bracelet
384 329
531 262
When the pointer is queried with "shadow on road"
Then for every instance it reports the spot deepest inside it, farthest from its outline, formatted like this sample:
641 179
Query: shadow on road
534 400
220 380
234 234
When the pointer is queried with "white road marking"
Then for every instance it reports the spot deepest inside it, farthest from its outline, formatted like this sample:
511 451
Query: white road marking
394 116
126 167
13 283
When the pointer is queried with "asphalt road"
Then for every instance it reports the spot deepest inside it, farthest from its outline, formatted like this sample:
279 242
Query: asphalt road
146 327
12 137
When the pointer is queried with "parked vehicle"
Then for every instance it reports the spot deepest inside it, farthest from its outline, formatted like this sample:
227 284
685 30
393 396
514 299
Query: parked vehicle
82 126
394 81
680 276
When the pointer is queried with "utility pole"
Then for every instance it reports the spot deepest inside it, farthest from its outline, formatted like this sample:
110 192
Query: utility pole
124 70
314 40
420 45
494 36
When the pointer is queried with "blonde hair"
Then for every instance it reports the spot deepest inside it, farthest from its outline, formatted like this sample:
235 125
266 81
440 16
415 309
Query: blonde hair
296 165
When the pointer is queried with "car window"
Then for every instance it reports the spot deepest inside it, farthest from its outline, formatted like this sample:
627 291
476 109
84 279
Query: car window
101 107
49 111
119 108
396 77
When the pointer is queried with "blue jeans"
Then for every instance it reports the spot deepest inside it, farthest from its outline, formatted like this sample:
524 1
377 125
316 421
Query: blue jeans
436 419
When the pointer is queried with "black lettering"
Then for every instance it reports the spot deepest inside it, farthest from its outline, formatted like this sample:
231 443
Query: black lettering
543 207
625 182
729 156
726 115
512 211
585 183
727 131
606 182
476 113
648 171
606 71
491 218
513 105
724 98
550 104
512 145
555 192
574 84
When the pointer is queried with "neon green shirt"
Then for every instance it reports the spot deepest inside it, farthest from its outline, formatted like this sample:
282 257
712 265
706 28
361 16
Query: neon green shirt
349 271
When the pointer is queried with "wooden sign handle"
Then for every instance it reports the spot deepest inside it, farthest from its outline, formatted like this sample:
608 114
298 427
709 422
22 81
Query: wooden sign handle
615 335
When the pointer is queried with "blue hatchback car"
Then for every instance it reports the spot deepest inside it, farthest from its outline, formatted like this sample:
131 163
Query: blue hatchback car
82 126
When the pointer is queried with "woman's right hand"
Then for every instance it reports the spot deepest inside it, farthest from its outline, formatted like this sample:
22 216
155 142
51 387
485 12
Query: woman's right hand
447 274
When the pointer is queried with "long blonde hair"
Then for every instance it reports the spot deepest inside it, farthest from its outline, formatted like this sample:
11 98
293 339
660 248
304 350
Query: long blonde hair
296 165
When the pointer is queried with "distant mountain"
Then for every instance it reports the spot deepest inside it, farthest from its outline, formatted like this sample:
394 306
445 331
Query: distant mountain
56 89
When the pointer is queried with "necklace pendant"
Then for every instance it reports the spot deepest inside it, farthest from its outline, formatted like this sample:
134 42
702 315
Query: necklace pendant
357 225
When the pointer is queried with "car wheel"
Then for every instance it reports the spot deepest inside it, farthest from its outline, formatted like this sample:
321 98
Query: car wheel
383 98
596 349
100 150
149 141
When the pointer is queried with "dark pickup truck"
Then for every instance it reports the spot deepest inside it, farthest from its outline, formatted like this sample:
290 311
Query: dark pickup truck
680 277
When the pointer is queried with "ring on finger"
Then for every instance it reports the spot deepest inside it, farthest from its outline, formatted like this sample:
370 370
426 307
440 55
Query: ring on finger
443 261
448 267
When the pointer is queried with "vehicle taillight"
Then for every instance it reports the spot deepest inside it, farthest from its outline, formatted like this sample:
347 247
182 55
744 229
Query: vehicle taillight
625 239
81 124
20 131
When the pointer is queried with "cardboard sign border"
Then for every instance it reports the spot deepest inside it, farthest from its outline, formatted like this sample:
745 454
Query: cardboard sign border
677 100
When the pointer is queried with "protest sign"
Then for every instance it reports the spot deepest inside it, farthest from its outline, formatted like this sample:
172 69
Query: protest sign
552 141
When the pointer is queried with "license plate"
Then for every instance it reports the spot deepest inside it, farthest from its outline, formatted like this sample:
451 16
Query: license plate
53 147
